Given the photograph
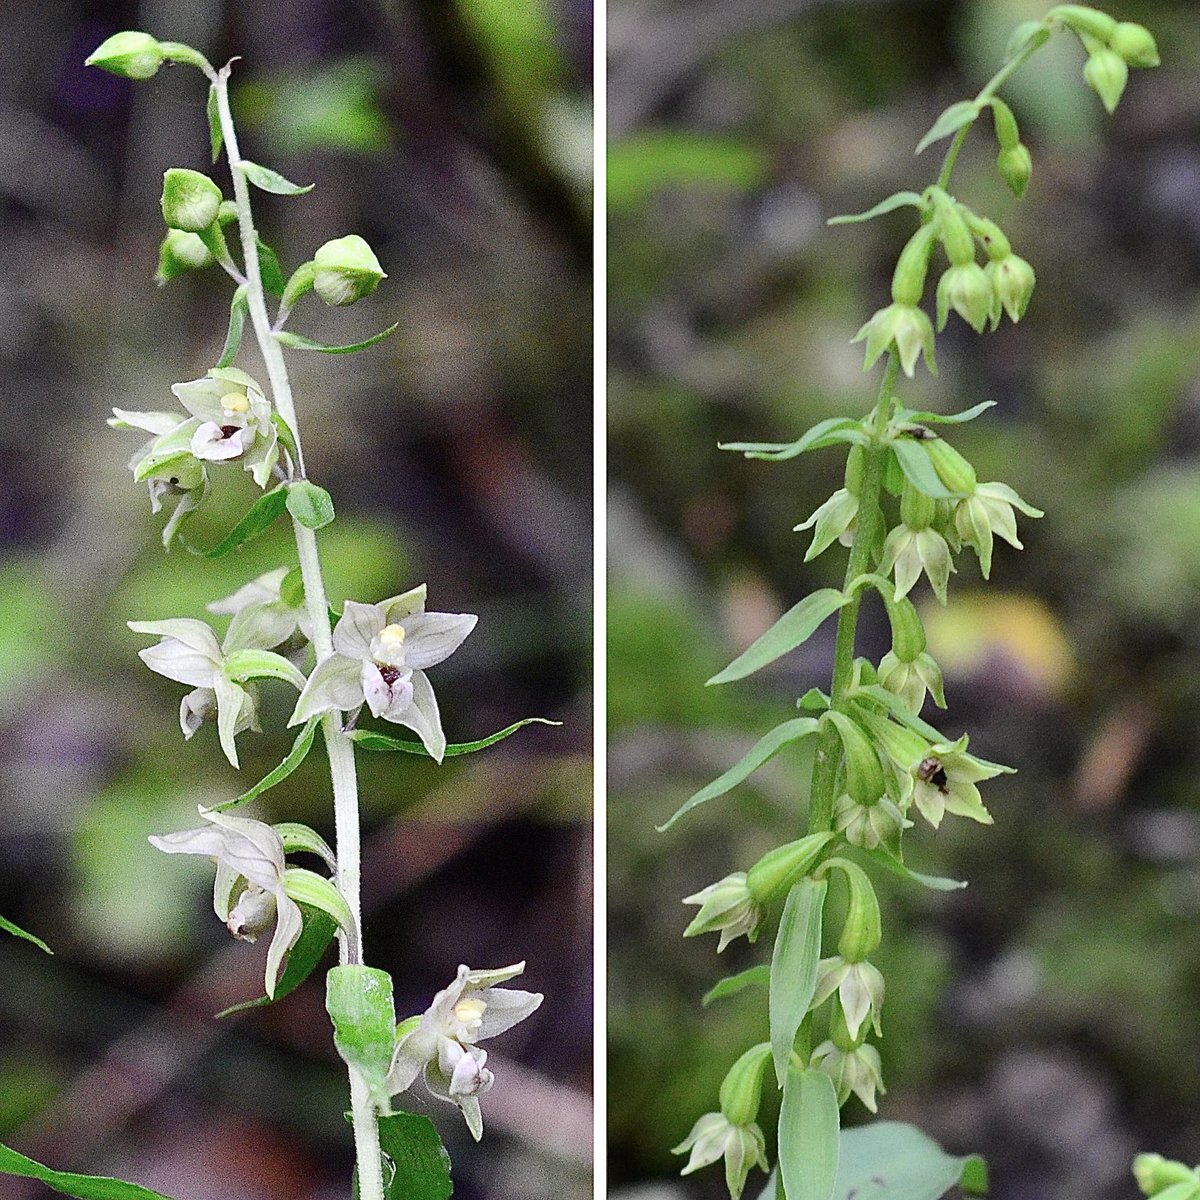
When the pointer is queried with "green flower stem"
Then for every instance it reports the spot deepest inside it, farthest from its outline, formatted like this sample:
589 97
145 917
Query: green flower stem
820 809
339 748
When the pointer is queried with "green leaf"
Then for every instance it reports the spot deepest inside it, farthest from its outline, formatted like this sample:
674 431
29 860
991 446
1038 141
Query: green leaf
17 931
272 181
286 436
893 202
794 628
311 505
216 137
899 710
917 468
808 1137
974 1179
368 739
238 308
822 434
82 1187
814 699
242 665
889 1160
269 269
420 1162
359 1002
961 113
934 882
298 753
297 342
302 959
1023 35
932 418
765 748
262 514
794 968
758 976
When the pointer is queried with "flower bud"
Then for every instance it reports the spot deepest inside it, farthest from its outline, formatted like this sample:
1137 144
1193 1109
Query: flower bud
131 54
989 235
1155 1173
778 869
1106 74
952 228
1083 20
908 280
1016 166
1007 132
911 681
916 509
179 253
190 200
1135 44
741 1090
966 289
908 631
1012 280
346 270
857 1070
864 772
952 469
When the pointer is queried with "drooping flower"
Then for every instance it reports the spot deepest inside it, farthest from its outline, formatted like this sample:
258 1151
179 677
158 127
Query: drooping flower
248 893
908 327
727 907
859 987
987 511
232 421
834 520
858 1071
911 681
381 652
441 1044
714 1137
909 552
869 825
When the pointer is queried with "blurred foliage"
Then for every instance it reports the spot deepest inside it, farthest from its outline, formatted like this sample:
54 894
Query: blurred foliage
1048 1015
457 453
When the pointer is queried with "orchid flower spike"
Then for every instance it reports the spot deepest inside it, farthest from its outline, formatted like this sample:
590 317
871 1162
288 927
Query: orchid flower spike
441 1042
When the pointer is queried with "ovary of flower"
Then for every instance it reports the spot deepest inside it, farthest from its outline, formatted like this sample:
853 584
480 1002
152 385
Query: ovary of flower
441 1045
250 857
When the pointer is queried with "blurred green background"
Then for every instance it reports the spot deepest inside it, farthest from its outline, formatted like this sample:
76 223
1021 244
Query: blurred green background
1048 1016
456 137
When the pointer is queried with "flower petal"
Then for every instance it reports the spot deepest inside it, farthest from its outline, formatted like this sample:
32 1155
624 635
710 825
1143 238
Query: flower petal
194 634
289 924
423 718
262 590
180 663
334 684
396 608
430 638
358 625
506 1007
231 700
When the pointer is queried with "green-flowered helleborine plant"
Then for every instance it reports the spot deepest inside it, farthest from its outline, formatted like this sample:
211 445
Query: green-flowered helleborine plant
280 629
910 505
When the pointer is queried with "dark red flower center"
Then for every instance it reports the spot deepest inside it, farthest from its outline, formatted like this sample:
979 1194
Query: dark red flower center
390 675
227 431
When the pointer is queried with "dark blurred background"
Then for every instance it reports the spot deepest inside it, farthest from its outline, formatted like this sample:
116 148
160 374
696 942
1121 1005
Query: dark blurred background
1048 1016
456 137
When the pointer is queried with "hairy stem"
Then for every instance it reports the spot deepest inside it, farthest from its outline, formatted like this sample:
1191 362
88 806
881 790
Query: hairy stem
338 747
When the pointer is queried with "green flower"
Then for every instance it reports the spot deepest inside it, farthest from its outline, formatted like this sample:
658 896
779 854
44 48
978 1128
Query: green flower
727 907
834 521
908 552
869 825
858 1071
714 1137
905 325
988 511
911 681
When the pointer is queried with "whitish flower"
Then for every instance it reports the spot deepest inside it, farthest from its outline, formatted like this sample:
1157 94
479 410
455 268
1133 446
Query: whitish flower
382 651
727 907
859 987
912 680
834 520
232 421
908 327
858 1071
869 825
967 289
909 552
248 893
262 618
714 1137
189 652
441 1043
987 511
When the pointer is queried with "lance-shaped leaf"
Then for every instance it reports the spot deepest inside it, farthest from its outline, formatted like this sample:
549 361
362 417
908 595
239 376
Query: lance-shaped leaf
961 113
765 748
298 342
272 181
82 1187
794 967
906 415
298 753
242 665
359 1002
419 1161
269 269
17 931
794 628
216 136
808 1136
893 202
822 434
311 505
1028 33
935 883
893 1161
368 739
302 959
918 470
238 308
758 976
262 514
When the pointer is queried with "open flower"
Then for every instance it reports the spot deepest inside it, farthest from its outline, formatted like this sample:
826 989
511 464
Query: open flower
248 893
727 907
262 618
858 1070
232 421
714 1137
834 520
859 987
441 1043
382 651
987 511
909 552
908 327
